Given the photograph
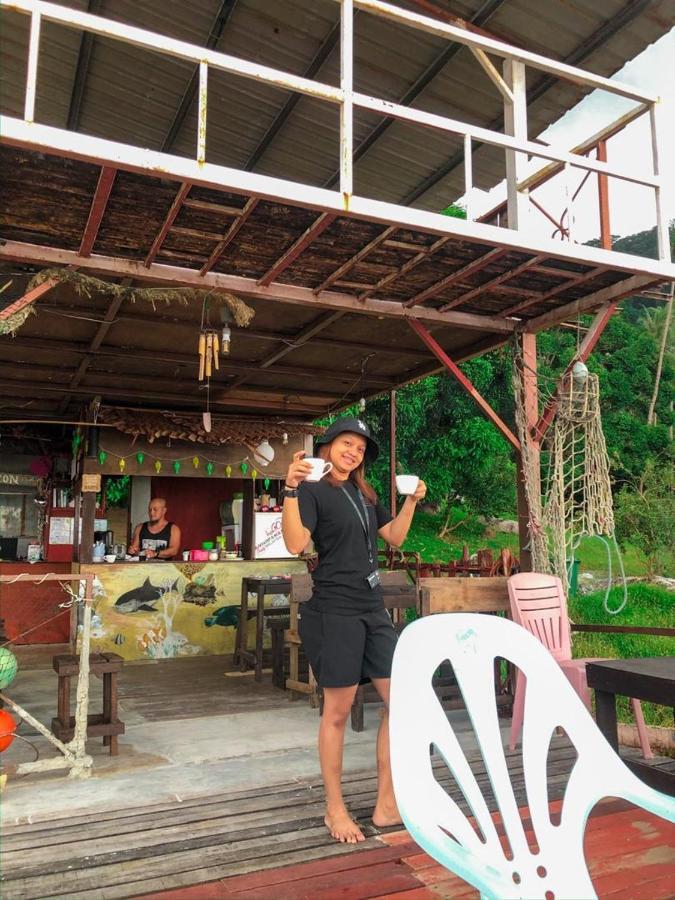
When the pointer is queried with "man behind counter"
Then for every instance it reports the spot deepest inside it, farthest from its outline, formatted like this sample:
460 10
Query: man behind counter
157 538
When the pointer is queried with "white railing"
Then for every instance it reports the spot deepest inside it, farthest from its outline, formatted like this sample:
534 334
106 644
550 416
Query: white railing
510 83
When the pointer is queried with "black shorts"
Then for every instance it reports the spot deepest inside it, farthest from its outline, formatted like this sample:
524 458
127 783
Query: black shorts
350 649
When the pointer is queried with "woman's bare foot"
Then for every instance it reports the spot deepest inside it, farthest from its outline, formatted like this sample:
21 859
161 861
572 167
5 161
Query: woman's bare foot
386 815
343 828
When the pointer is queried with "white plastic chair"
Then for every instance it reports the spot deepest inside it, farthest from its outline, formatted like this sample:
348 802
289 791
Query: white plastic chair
472 642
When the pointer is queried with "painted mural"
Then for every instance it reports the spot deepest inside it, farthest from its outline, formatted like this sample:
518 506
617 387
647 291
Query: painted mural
161 611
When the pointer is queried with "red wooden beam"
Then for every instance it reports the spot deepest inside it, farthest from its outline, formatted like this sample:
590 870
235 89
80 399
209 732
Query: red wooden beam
505 276
572 282
27 299
232 232
454 369
168 222
464 272
294 251
97 211
587 346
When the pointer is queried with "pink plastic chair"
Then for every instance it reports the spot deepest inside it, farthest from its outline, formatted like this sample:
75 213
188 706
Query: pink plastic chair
538 603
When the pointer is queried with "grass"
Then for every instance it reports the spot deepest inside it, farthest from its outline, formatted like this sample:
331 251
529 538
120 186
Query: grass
647 605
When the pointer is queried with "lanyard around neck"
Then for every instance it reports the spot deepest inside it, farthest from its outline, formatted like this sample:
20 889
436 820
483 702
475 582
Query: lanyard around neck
363 519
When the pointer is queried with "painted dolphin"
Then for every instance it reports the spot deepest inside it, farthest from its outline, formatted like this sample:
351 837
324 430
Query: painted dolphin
143 597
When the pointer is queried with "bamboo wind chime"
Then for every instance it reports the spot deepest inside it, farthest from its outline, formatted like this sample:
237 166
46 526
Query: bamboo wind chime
209 351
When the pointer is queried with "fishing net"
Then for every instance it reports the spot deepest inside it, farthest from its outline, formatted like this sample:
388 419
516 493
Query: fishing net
567 483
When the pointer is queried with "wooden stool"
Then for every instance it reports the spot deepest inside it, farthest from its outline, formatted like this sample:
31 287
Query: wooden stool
105 724
260 587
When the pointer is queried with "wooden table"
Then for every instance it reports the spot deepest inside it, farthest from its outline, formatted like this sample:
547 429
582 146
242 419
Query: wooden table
260 587
647 678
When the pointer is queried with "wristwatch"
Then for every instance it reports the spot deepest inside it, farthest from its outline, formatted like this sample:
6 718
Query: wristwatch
289 491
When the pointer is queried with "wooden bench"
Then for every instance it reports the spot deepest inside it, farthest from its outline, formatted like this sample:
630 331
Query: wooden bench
106 724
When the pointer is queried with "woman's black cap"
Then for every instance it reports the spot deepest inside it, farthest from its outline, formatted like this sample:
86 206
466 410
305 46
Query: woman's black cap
355 426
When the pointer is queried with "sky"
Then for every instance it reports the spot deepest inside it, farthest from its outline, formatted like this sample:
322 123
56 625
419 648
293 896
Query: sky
632 207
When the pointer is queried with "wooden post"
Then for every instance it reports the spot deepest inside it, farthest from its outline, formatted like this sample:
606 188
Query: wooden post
392 452
603 200
528 347
88 517
515 124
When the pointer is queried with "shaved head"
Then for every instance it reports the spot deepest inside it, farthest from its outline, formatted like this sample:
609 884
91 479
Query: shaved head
157 509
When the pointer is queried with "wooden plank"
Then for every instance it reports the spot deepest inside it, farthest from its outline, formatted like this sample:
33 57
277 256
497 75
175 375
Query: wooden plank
464 595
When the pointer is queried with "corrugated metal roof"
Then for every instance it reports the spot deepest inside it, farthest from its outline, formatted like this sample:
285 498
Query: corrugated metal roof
132 96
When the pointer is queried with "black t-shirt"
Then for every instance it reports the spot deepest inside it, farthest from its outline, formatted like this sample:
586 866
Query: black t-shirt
340 584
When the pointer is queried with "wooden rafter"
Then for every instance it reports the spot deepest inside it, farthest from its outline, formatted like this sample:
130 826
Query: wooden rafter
95 343
590 302
565 286
408 266
98 206
40 345
292 401
232 232
306 334
475 266
353 260
183 191
493 283
297 247
465 383
28 298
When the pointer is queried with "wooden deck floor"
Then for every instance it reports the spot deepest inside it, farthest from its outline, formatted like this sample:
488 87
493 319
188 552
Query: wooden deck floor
630 853
272 843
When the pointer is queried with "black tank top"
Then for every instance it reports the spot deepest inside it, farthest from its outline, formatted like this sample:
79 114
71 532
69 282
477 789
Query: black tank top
158 541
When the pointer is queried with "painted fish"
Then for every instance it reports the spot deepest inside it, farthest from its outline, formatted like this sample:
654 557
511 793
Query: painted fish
226 616
143 597
119 639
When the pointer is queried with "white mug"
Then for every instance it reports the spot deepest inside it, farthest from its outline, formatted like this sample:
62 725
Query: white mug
320 467
407 484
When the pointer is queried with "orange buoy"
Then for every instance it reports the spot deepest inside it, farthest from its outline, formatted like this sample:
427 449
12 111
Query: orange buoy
7 729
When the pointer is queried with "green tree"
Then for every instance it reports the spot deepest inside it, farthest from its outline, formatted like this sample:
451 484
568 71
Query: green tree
645 514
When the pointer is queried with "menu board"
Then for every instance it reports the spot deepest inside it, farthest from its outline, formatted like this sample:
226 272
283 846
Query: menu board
61 529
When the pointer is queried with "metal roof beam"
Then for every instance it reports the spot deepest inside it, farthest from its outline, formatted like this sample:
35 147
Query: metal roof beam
83 58
599 36
215 33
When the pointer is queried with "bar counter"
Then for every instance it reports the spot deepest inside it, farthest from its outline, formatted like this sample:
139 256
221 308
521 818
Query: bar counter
161 610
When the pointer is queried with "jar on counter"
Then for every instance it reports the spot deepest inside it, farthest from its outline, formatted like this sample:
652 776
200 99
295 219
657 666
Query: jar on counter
213 556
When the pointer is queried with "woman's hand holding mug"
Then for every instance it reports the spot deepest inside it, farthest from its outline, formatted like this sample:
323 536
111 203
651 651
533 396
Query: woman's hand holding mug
298 470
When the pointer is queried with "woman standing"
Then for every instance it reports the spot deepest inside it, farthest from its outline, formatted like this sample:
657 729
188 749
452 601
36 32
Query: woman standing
346 632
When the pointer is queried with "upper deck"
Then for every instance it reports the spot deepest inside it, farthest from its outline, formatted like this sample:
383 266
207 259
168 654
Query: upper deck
352 255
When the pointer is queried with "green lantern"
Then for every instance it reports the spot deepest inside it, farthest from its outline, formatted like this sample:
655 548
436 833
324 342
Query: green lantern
102 456
140 456
244 467
267 483
176 466
209 468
